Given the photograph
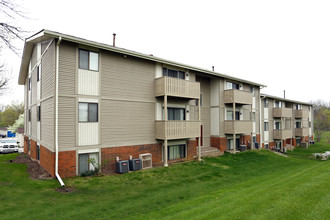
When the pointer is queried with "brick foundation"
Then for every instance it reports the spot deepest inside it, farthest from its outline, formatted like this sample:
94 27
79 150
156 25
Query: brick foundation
47 160
26 144
33 149
109 154
271 145
258 138
67 163
220 143
192 149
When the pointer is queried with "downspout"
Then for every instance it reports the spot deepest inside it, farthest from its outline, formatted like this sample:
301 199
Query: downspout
56 112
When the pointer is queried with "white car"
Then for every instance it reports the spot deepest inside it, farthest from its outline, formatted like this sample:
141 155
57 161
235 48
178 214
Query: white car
8 145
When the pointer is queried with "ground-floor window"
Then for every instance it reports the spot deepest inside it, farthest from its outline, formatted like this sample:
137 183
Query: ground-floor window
86 162
266 146
38 152
278 145
176 152
298 141
29 145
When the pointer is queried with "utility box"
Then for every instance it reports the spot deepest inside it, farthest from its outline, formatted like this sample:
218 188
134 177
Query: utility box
135 164
146 160
122 166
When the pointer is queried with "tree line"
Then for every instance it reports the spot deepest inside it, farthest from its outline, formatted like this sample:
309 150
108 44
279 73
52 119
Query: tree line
321 119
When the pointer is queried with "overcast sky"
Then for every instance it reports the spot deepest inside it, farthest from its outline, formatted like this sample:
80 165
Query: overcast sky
282 44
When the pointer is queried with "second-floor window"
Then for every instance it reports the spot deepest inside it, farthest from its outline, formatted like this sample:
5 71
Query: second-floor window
277 125
38 73
230 115
266 128
29 116
38 113
278 104
88 60
30 83
265 103
176 114
173 73
88 112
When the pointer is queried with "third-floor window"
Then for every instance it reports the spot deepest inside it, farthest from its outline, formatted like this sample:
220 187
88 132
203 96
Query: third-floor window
173 73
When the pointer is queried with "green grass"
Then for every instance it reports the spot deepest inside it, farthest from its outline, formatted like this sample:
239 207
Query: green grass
249 185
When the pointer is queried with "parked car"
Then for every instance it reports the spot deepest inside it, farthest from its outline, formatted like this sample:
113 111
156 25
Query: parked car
8 145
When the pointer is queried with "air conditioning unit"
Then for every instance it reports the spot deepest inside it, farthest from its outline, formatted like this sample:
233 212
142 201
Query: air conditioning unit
135 164
304 144
146 160
242 148
122 166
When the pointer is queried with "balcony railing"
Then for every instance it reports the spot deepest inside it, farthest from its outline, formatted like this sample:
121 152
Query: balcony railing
282 112
282 134
300 113
301 132
177 129
177 87
238 96
238 126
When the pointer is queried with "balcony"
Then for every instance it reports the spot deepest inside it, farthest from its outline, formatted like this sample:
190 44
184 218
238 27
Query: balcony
177 129
301 132
238 126
238 96
300 113
282 113
282 134
176 87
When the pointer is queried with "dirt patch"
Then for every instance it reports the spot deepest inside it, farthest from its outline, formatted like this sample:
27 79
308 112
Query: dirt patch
34 169
65 190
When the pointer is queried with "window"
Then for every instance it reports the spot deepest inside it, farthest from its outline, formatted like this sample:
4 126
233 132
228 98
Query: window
230 115
266 146
278 104
88 60
38 73
176 114
230 144
88 112
254 116
266 128
38 152
277 125
231 85
265 103
29 116
85 162
252 90
38 113
173 73
30 83
176 152
298 107
309 124
298 124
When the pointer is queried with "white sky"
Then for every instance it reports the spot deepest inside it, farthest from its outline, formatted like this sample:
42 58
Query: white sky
282 44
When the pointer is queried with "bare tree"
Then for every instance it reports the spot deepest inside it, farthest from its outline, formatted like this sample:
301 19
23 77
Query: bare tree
9 32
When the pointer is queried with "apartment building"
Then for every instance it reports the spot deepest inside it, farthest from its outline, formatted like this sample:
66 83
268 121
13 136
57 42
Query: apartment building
285 123
85 100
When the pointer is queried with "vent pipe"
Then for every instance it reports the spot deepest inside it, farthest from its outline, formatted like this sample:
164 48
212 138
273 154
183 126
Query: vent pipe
284 94
114 40
213 68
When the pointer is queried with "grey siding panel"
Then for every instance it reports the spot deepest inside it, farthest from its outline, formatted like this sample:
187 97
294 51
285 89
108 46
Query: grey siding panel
47 124
67 68
127 123
67 122
127 78
205 109
48 71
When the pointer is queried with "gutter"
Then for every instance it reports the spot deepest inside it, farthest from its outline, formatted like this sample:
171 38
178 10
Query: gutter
260 123
56 112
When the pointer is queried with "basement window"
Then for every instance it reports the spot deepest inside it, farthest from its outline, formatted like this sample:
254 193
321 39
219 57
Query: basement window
175 152
88 60
88 112
85 160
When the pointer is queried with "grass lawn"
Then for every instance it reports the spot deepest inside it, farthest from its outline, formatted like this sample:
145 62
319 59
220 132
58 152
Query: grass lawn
249 185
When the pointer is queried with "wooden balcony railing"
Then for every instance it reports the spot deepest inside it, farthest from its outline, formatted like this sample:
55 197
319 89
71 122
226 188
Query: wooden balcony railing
177 129
176 87
238 96
238 126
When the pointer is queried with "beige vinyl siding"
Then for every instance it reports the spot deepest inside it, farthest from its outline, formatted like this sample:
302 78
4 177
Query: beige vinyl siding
270 120
222 107
205 109
127 123
34 57
127 78
47 124
88 82
67 122
48 71
34 86
67 68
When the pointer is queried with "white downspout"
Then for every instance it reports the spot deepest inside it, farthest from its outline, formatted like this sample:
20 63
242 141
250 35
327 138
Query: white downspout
56 112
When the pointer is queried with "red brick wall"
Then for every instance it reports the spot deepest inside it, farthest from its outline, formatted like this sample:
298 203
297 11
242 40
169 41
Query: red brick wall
109 154
258 138
220 143
67 163
191 149
246 140
47 160
271 145
33 149
288 141
26 144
